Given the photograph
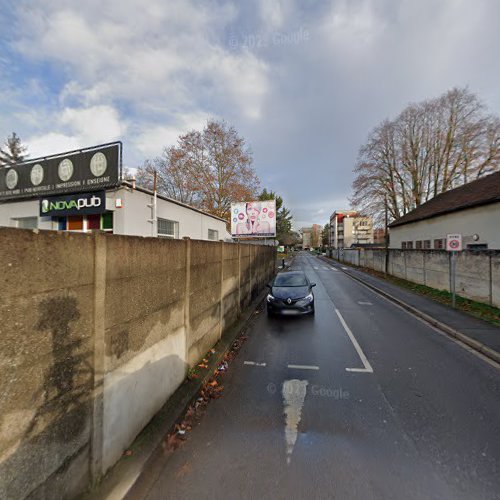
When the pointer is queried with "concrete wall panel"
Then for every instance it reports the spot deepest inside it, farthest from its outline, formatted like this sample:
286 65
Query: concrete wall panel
97 332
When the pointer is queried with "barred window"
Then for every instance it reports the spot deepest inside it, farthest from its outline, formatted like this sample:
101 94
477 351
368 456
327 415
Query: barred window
419 245
427 244
438 244
27 222
213 234
409 245
168 228
403 245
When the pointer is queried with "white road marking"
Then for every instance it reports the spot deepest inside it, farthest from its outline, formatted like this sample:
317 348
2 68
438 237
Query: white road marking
367 367
253 363
333 268
361 303
344 268
294 395
327 268
316 267
304 367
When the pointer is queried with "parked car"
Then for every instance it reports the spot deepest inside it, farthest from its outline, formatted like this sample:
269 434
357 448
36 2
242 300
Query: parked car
290 293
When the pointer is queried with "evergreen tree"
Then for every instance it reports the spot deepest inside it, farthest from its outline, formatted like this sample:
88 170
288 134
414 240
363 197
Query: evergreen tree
13 150
283 217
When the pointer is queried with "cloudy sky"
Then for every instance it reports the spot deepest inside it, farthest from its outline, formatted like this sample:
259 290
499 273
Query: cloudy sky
304 81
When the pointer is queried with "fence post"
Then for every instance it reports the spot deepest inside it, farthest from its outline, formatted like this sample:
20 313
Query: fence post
491 281
221 298
187 297
425 271
96 444
239 279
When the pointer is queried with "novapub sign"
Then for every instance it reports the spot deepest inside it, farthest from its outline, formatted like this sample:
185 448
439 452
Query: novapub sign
76 171
73 204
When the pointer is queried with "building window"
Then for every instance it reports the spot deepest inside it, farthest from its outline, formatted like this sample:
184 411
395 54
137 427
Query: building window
477 246
427 244
438 244
409 245
93 222
418 245
213 234
168 228
107 221
75 223
403 245
27 222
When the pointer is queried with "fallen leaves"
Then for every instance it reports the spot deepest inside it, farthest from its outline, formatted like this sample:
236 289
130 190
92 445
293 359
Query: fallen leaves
211 389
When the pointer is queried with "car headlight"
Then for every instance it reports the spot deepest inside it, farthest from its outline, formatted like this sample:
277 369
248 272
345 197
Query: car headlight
309 297
270 298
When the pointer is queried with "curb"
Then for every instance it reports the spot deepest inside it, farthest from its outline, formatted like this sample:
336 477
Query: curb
474 344
120 480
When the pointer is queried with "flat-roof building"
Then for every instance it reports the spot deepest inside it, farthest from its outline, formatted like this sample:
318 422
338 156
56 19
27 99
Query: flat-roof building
347 228
82 191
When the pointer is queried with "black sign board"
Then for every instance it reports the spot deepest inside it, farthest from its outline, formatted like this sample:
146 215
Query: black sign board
73 172
73 204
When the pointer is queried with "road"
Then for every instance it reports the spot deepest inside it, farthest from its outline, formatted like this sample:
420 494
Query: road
361 401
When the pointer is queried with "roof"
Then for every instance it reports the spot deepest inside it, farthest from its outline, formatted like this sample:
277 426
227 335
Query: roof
166 198
482 191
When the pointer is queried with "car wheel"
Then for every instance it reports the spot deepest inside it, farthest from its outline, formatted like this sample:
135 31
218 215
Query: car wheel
312 310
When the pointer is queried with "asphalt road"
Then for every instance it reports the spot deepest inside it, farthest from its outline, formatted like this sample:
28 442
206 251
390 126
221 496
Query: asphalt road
380 406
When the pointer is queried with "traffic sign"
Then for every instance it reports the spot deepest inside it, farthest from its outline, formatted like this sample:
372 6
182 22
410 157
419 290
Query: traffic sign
454 242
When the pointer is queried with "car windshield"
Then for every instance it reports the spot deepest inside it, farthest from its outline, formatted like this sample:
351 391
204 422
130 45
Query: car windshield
289 279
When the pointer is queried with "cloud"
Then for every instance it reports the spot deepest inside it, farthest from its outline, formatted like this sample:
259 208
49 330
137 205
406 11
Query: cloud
83 127
153 140
73 75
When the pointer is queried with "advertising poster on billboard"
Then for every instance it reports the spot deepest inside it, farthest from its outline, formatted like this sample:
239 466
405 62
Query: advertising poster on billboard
253 219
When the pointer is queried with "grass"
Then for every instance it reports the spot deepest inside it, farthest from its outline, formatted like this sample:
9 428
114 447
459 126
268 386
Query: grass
480 310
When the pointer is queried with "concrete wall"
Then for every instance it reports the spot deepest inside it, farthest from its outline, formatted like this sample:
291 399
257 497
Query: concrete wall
482 221
477 273
97 332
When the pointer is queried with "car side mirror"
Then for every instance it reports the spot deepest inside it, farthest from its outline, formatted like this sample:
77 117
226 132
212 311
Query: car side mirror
313 284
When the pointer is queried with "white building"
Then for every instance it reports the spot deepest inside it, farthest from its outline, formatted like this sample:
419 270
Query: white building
126 210
472 210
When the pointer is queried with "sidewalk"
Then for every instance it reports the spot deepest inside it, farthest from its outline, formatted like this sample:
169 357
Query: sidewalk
474 332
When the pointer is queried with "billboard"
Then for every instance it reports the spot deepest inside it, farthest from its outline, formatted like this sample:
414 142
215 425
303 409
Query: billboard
254 219
79 171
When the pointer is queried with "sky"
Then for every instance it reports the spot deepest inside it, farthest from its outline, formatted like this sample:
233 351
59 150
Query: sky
303 81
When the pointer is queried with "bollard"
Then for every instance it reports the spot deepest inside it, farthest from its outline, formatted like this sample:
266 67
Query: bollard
283 263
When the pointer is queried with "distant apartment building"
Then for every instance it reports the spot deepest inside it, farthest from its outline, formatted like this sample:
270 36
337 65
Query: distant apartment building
472 210
348 227
379 236
312 236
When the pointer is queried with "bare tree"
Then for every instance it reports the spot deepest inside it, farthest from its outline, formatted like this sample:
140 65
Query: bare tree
431 147
210 168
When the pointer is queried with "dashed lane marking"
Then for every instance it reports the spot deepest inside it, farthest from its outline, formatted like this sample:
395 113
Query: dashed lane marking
304 367
253 363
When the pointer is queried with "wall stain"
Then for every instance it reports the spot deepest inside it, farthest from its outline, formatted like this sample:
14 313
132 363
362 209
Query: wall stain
118 345
68 384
